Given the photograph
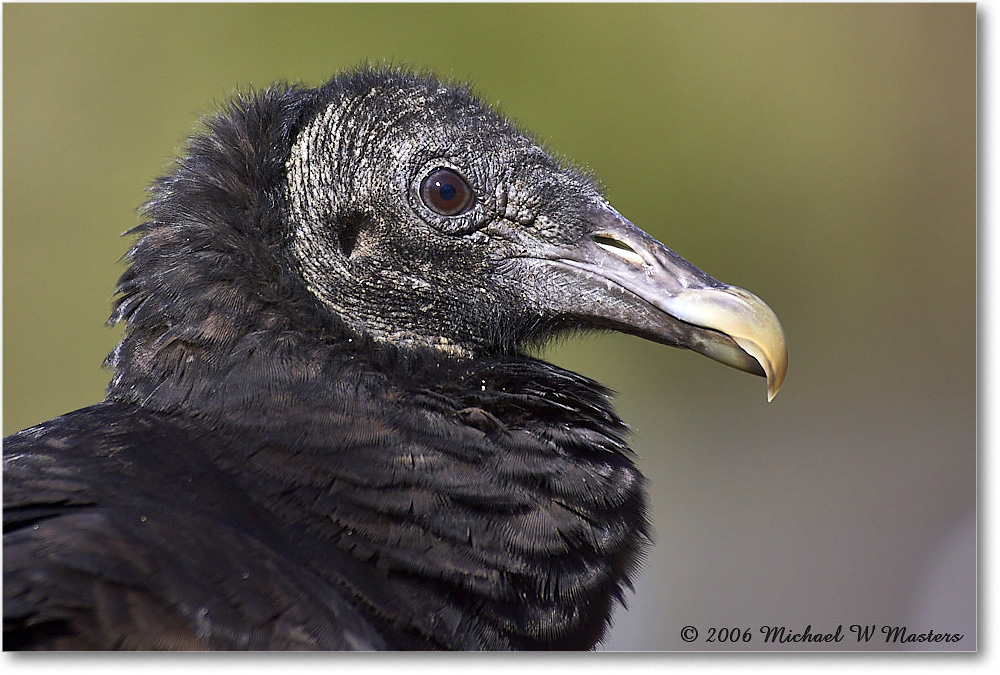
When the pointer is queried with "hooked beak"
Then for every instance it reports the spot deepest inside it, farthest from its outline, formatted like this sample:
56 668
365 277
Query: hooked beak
622 278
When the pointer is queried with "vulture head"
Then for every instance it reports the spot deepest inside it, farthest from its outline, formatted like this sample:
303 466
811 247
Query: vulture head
404 211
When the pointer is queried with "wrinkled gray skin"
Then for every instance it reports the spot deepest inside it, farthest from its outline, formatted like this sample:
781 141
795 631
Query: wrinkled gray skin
521 199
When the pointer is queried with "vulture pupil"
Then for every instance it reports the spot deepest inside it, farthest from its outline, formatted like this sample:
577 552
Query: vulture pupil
446 193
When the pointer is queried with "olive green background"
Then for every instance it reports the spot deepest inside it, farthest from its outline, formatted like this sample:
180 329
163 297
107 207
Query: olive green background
822 156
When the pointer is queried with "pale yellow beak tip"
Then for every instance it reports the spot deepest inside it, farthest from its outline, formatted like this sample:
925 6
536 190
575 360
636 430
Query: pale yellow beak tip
758 340
757 330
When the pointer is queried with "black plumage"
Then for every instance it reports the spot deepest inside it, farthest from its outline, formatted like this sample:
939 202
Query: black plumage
322 430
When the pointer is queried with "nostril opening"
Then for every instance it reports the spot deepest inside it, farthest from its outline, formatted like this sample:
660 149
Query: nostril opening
618 248
608 240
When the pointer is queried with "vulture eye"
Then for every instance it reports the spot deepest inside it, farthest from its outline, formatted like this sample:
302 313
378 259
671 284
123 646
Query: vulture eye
445 192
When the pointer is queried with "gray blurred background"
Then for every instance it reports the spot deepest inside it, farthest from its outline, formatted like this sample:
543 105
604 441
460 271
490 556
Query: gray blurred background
822 156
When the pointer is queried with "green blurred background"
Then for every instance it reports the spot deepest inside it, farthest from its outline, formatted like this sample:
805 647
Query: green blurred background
822 156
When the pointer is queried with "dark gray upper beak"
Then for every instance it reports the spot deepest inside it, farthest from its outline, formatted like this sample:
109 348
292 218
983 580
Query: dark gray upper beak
629 281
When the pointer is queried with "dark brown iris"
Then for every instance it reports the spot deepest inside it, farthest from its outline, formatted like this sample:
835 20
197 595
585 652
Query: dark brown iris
445 192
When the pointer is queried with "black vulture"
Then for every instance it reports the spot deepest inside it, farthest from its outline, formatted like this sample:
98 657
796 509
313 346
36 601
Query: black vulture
324 428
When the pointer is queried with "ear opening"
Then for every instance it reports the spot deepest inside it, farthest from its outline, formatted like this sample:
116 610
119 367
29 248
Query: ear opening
347 237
